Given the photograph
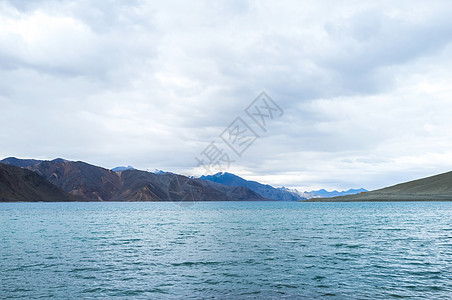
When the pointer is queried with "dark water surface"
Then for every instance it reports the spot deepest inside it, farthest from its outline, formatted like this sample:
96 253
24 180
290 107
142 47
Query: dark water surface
220 250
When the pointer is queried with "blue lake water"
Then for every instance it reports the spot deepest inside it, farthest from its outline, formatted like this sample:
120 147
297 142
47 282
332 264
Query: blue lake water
221 250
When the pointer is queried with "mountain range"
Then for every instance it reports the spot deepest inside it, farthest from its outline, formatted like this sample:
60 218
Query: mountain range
282 193
64 180
80 181
33 180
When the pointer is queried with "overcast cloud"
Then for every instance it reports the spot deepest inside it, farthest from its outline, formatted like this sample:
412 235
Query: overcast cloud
364 85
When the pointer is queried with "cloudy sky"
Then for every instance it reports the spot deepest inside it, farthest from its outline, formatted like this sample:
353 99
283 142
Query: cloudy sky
365 86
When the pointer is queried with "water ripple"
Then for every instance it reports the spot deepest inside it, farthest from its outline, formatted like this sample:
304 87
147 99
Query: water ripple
240 250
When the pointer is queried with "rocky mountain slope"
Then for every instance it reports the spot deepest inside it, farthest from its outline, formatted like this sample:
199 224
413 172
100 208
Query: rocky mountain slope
81 179
19 184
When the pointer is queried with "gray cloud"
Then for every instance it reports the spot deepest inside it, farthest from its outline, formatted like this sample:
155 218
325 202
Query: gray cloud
364 85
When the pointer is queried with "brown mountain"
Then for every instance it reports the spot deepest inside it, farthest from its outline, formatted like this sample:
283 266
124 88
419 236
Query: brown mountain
79 178
18 184
433 188
94 183
144 186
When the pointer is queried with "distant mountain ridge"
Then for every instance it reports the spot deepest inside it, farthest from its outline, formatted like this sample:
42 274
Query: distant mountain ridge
267 191
433 188
281 193
122 168
326 194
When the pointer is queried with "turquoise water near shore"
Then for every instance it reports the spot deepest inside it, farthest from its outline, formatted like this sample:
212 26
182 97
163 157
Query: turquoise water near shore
226 250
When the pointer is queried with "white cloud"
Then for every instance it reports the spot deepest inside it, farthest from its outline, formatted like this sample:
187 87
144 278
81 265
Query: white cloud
364 85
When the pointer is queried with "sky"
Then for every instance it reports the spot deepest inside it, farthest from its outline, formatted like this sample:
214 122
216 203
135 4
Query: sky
363 87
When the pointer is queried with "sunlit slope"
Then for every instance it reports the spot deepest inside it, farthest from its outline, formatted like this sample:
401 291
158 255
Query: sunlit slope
434 188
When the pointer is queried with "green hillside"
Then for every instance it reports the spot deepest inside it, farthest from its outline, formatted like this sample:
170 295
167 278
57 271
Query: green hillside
434 188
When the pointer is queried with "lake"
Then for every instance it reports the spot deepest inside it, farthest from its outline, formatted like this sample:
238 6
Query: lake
226 250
